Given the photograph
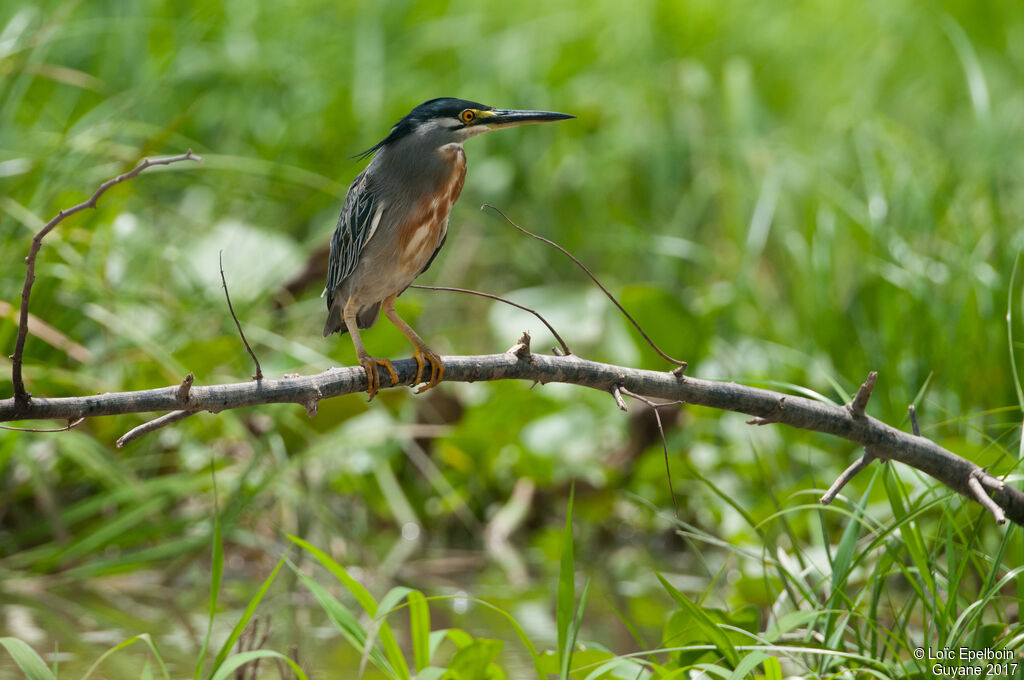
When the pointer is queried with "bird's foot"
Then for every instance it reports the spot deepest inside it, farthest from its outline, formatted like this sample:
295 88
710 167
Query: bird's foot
370 365
423 356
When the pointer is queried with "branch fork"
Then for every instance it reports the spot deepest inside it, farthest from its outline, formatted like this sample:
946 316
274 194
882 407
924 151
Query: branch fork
21 396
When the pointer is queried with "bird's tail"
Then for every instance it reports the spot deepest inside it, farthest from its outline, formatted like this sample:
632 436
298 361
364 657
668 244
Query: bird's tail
365 317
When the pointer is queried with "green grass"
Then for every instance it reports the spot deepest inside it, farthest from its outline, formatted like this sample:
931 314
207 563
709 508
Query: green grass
787 195
827 623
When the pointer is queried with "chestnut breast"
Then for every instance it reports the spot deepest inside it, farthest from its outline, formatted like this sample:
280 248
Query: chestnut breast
422 232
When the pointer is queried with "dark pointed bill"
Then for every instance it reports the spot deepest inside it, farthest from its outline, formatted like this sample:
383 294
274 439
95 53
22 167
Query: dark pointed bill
501 118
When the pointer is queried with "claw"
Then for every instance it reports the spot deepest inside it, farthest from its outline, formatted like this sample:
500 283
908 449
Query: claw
369 365
423 356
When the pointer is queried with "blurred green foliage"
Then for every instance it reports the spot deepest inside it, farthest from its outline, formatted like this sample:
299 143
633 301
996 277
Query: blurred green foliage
788 194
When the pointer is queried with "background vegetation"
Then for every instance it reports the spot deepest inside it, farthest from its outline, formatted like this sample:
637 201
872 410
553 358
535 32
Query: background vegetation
783 194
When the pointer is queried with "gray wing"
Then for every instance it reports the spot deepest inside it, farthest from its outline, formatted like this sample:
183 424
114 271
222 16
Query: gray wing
356 224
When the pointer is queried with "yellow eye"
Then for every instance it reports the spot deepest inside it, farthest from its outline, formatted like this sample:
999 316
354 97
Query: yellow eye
467 116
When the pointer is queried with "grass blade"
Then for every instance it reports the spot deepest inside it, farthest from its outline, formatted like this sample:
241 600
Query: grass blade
714 634
566 598
130 641
30 663
419 630
216 577
244 621
238 660
344 620
366 601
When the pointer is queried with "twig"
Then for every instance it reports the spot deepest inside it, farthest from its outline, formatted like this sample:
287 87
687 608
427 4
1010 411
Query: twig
619 401
71 424
593 278
249 640
884 441
860 400
490 296
913 420
522 348
974 482
21 395
152 425
992 483
185 388
259 371
661 430
844 479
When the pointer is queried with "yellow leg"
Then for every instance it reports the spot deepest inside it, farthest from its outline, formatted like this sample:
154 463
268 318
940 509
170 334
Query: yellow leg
423 354
368 362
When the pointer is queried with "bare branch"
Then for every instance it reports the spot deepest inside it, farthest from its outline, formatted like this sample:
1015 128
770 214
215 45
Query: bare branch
913 420
153 425
259 371
844 479
884 441
21 395
769 421
593 278
565 347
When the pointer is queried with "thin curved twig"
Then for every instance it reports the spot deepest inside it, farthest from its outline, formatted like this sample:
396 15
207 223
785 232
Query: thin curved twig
21 395
593 278
259 371
654 406
565 347
71 424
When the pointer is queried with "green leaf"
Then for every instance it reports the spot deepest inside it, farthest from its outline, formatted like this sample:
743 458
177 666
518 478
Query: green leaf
473 662
30 663
419 630
713 633
747 664
909 530
566 598
361 594
576 623
788 622
344 620
132 640
366 601
236 661
589 659
216 576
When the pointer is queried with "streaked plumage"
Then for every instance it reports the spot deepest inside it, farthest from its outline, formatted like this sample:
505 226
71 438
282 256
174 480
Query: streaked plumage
395 219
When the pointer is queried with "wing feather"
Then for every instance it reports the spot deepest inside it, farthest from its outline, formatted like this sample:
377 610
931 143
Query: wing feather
359 219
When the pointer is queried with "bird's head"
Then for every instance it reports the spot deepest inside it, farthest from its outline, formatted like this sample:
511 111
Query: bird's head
450 120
